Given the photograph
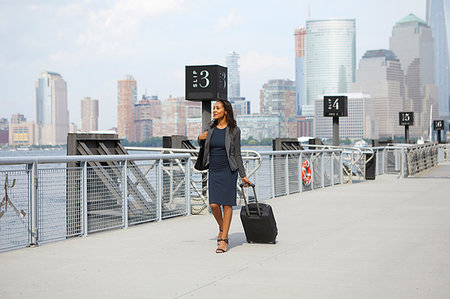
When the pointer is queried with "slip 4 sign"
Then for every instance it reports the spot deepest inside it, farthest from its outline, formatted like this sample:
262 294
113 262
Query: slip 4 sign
335 106
206 82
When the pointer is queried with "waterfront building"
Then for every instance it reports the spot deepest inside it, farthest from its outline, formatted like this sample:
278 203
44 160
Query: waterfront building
277 97
127 97
300 126
193 119
89 114
413 44
240 105
380 75
173 119
146 111
300 95
4 131
330 58
359 124
52 116
17 118
438 18
234 79
259 126
21 132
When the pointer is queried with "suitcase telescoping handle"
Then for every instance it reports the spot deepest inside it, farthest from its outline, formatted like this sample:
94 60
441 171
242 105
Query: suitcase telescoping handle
245 199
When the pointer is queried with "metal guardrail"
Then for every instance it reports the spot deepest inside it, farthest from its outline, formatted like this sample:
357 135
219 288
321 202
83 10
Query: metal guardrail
56 201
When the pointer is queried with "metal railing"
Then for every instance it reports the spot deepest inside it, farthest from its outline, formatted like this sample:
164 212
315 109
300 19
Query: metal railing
59 197
407 159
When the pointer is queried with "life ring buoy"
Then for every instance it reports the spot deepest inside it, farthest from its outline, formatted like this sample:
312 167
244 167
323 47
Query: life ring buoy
306 173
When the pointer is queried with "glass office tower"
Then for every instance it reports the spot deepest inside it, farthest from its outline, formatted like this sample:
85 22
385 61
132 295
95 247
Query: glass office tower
330 58
438 12
52 116
234 79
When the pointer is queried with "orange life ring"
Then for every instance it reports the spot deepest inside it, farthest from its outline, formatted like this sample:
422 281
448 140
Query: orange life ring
306 173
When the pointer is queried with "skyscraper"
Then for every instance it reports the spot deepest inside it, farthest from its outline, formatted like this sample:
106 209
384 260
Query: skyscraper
89 114
380 75
438 18
277 97
234 79
412 43
330 58
52 116
300 95
127 97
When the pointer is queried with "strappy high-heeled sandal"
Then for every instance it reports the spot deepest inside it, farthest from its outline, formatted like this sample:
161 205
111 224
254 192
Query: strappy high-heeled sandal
218 239
220 250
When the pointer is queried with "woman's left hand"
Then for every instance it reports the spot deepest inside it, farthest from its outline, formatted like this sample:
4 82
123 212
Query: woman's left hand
246 181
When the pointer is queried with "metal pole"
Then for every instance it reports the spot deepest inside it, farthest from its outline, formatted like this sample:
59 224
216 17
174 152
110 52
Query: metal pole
84 207
125 194
286 172
335 130
160 191
439 136
187 181
272 176
206 119
406 134
33 208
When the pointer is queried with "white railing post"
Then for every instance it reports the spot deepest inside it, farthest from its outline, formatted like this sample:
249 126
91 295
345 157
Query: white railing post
84 201
160 190
125 193
187 180
300 181
341 171
323 169
332 168
272 176
33 205
286 172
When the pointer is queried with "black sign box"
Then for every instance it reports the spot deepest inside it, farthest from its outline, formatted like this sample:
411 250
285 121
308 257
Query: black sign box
206 82
438 125
406 118
335 106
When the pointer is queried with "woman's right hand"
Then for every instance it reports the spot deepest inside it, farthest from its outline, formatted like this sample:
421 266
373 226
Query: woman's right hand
203 135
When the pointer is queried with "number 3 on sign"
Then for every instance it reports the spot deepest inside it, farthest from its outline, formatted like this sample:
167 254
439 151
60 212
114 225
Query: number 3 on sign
204 76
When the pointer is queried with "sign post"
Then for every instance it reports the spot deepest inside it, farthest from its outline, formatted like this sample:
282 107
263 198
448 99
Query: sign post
335 106
406 119
438 125
206 83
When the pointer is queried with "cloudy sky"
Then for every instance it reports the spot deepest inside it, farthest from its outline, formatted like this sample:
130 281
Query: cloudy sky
94 43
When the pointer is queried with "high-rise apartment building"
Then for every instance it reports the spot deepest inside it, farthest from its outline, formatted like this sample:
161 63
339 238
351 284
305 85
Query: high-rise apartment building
300 95
89 114
52 116
413 44
330 58
234 78
146 112
438 18
380 75
359 124
277 97
127 97
173 119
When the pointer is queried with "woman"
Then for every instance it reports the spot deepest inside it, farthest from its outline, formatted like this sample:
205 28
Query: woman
222 142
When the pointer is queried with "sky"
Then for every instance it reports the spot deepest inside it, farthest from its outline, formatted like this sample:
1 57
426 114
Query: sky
95 43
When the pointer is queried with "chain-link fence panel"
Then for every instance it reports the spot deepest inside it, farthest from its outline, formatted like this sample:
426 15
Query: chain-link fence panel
280 175
59 217
104 197
142 192
14 209
263 179
174 189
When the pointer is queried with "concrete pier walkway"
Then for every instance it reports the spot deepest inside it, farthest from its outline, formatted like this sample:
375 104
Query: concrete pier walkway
388 238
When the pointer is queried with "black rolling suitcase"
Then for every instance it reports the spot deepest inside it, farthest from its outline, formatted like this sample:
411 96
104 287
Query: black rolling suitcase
258 221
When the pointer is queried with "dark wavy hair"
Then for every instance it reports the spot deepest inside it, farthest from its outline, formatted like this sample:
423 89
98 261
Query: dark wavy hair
231 121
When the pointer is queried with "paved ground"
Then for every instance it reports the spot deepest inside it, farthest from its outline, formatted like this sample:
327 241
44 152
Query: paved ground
388 238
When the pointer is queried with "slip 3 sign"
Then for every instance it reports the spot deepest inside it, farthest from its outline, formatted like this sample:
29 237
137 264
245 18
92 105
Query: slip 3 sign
206 82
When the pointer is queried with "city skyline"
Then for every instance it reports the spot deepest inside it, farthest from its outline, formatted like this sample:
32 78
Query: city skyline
95 43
